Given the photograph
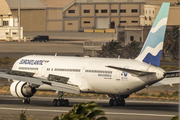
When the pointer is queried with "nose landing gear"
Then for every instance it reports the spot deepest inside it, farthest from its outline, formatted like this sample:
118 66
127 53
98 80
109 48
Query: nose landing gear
26 100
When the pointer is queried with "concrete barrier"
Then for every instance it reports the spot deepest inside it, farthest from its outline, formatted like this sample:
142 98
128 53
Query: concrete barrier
110 31
98 31
88 30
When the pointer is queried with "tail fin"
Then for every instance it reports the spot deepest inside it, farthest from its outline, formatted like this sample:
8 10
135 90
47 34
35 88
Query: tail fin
152 49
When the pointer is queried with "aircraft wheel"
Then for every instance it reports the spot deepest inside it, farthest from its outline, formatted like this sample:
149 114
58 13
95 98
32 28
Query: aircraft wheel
55 102
59 102
24 101
122 102
116 102
27 100
66 102
111 102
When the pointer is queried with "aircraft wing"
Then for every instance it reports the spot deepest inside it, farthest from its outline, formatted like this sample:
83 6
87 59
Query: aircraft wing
57 83
133 72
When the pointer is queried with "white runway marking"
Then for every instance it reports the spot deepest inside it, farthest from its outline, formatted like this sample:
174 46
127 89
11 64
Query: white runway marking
107 113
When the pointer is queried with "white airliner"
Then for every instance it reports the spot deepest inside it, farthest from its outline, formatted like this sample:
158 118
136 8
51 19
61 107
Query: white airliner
118 78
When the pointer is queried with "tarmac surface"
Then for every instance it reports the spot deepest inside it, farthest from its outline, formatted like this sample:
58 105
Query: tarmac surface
20 49
74 36
41 108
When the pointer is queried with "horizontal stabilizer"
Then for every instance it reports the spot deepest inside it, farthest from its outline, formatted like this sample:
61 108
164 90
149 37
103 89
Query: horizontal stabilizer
133 72
171 74
168 81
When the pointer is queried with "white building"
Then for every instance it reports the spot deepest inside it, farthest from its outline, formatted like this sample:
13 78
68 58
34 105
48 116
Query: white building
8 24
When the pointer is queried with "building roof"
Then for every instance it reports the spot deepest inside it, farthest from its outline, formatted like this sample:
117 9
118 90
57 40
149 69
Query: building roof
65 3
26 4
4 8
159 2
57 3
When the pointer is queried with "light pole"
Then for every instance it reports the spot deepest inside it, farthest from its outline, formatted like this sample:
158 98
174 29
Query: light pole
19 33
179 73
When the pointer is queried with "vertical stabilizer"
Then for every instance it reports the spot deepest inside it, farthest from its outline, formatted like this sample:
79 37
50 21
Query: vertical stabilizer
152 49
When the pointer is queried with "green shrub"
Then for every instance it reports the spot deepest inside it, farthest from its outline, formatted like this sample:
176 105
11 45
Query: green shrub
169 67
175 118
165 60
56 118
23 115
153 95
84 111
175 60
161 95
175 94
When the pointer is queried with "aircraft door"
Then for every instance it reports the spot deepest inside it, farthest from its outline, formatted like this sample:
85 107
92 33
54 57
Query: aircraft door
118 75
43 69
83 71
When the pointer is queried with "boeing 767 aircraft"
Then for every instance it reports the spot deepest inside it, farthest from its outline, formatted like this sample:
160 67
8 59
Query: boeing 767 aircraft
118 78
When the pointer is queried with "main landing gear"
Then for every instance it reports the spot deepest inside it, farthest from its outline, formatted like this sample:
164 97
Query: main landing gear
117 102
26 100
60 101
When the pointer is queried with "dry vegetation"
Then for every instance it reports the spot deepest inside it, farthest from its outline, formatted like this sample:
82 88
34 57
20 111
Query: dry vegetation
158 95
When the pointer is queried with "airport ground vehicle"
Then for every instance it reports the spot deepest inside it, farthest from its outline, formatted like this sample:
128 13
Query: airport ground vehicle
40 38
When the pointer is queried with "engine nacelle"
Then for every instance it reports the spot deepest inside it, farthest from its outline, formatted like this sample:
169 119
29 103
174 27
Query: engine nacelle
22 89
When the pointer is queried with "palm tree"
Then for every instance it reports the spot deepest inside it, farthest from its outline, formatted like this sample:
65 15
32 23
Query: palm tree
171 44
110 50
131 50
175 3
84 111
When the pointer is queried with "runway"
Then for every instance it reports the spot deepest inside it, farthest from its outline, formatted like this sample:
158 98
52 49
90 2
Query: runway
41 108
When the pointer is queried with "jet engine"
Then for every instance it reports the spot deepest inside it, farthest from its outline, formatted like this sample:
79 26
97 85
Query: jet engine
22 89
